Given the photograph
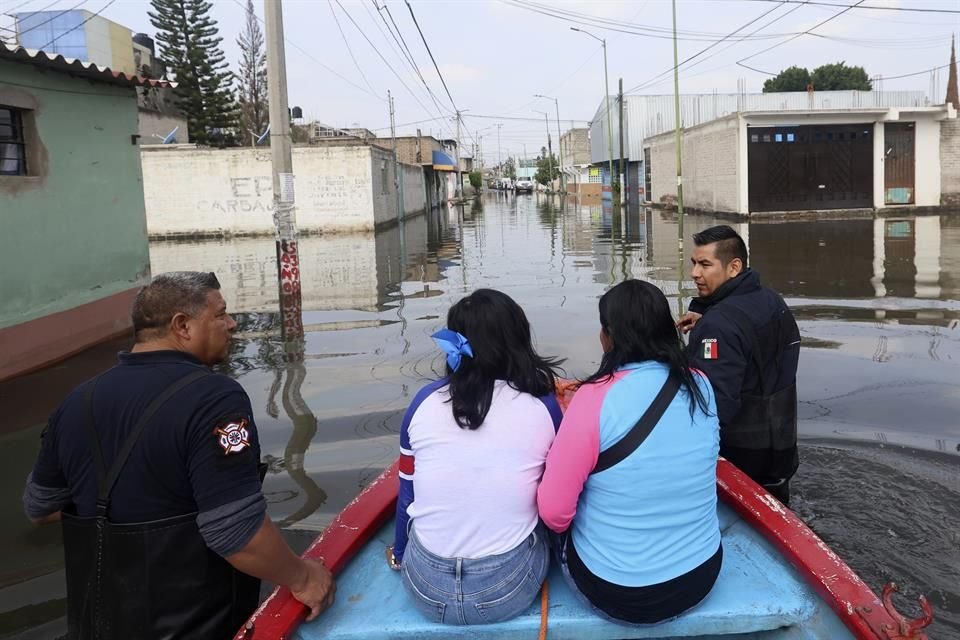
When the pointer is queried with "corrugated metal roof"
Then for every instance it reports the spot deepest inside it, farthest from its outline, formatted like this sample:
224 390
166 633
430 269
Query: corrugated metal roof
77 68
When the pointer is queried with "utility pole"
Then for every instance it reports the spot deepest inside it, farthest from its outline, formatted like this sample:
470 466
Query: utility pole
679 142
556 105
284 212
546 121
397 180
606 99
620 127
499 157
459 178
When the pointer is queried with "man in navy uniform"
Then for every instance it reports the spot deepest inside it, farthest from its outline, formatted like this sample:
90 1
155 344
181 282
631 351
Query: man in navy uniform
152 468
744 337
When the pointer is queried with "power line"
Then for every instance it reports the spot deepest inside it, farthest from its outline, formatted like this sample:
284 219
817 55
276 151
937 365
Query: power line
317 61
385 61
432 59
349 50
792 38
404 51
647 31
10 11
94 15
872 6
49 20
710 46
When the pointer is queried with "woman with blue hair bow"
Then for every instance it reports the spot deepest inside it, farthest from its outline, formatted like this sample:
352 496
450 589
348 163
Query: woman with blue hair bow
473 447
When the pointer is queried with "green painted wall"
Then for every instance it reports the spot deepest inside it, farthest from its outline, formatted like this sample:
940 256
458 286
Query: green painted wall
81 233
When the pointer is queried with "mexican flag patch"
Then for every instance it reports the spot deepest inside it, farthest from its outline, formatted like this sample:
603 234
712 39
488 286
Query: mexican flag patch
709 349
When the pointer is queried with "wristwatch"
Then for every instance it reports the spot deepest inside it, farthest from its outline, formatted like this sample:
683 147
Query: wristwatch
392 559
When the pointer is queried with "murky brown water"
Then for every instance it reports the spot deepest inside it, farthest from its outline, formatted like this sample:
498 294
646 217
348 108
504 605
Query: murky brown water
878 302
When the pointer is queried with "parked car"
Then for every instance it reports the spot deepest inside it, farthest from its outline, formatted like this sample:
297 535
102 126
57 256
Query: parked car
524 185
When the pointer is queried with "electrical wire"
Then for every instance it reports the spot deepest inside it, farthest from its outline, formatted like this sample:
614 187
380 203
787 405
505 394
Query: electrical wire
49 20
792 38
316 60
10 11
710 46
385 61
868 7
349 50
661 33
94 15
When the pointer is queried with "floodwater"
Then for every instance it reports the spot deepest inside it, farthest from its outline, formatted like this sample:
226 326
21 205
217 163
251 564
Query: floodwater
878 303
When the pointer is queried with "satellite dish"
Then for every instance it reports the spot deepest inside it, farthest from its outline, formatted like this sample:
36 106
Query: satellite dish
264 135
171 137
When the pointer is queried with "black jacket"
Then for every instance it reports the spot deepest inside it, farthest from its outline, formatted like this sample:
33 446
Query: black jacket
748 344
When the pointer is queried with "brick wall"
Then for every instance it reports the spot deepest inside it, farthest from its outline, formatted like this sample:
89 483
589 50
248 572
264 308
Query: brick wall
950 162
576 146
709 167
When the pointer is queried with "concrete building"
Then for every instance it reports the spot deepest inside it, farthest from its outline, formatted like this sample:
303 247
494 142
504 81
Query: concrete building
73 231
320 131
646 116
756 162
81 35
341 185
437 159
575 151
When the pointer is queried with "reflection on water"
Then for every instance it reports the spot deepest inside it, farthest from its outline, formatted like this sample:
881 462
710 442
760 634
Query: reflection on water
878 303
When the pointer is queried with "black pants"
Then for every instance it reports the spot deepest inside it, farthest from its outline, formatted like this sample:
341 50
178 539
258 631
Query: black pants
780 491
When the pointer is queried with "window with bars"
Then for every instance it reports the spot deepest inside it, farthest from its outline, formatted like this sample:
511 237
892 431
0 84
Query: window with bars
13 154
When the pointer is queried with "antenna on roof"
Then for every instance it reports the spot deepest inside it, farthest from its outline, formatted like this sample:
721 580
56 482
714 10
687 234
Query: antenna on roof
171 137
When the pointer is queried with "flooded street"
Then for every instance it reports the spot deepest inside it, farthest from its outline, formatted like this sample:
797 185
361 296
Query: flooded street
877 301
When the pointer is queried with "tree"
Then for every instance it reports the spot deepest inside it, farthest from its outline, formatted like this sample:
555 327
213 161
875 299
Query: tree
840 77
547 169
792 79
190 46
510 169
827 77
476 180
252 79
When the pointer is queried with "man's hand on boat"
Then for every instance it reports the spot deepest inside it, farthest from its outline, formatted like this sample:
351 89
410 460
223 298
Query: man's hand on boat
268 557
688 321
316 589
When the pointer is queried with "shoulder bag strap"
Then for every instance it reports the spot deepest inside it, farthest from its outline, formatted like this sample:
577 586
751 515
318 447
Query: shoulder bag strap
635 437
106 480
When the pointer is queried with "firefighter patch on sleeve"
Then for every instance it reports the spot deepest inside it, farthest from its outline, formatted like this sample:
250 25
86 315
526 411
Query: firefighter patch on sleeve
232 435
709 347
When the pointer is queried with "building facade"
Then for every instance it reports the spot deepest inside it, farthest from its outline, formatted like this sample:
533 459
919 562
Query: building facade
341 186
649 116
758 162
73 227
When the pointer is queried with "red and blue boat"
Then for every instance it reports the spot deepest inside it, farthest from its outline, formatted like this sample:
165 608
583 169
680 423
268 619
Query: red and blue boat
779 581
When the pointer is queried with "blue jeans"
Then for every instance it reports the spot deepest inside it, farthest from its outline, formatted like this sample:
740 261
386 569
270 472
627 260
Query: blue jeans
464 591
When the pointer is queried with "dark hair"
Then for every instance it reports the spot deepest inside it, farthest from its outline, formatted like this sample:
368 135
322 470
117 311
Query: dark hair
636 317
169 294
499 336
729 243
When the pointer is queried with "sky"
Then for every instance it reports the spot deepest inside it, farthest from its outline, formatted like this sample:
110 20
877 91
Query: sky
496 54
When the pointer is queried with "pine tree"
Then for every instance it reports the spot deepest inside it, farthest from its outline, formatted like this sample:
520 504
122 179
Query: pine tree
252 79
190 46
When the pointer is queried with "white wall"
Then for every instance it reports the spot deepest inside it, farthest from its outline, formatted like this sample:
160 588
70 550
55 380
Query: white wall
229 192
414 190
710 159
927 153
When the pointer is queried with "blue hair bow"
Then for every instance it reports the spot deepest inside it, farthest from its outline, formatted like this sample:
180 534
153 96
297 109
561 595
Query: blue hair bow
455 345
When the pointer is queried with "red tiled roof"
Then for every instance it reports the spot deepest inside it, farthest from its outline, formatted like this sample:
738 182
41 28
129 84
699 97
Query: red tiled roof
77 68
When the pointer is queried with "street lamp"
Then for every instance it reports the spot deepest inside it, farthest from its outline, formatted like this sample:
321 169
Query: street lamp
606 98
556 104
546 121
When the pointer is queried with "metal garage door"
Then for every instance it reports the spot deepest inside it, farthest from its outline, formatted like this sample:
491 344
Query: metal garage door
810 167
